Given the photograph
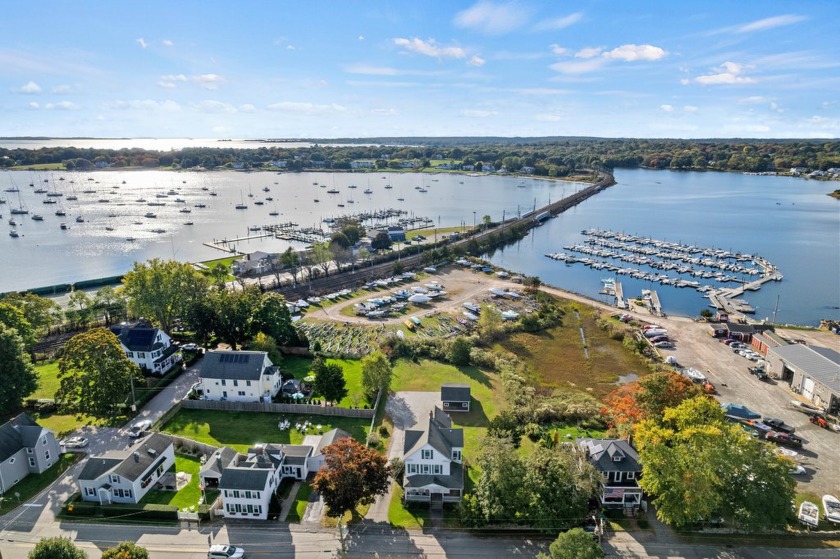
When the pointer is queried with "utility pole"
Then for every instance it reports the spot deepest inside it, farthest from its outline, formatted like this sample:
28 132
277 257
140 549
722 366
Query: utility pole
133 399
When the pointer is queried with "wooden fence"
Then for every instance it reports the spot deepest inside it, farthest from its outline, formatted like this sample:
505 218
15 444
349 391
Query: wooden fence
227 405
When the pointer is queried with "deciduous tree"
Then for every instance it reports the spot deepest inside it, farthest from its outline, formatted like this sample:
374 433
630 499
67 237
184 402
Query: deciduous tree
573 544
110 302
126 550
353 475
40 312
329 380
13 317
162 290
56 548
376 374
490 323
95 374
235 313
273 318
18 377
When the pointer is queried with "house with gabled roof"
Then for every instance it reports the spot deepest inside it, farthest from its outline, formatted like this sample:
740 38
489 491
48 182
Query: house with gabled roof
317 460
434 471
619 462
149 347
239 376
455 396
25 448
125 476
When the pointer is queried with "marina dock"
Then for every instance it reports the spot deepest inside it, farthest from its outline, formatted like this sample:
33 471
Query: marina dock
619 296
654 305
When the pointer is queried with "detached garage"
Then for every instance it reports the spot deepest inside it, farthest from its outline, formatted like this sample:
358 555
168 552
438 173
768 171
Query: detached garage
813 372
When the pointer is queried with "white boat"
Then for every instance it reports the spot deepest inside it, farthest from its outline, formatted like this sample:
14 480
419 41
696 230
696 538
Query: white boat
418 289
419 299
831 507
13 233
694 375
470 316
472 307
654 332
809 514
496 292
430 269
510 315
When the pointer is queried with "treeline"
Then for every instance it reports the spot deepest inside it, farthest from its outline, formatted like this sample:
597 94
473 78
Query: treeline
540 156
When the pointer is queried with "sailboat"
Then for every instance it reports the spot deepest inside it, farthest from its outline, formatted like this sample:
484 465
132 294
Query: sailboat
21 209
241 205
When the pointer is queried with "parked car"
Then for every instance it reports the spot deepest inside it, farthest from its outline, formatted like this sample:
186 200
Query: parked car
786 439
778 425
139 429
737 345
225 552
74 442
797 470
729 341
660 339
190 347
664 345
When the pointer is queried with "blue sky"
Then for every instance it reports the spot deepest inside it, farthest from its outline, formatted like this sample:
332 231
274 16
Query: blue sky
718 68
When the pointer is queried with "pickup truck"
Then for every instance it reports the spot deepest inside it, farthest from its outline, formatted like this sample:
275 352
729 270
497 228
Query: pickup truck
759 373
784 439
779 425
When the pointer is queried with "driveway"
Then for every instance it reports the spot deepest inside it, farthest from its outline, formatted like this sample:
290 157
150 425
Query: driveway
407 410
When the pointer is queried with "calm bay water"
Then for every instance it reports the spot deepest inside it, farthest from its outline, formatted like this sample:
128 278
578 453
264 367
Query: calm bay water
159 144
789 221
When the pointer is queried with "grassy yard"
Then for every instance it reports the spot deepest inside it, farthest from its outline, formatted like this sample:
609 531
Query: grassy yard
401 517
558 355
225 262
66 423
48 382
33 484
300 367
430 232
189 495
299 506
242 430
40 167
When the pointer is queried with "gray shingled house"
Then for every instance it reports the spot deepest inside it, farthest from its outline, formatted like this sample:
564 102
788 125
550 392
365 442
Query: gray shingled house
25 448
619 462
434 471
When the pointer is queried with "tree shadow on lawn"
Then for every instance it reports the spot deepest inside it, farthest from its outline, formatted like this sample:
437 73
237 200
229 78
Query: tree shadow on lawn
392 542
476 374
476 417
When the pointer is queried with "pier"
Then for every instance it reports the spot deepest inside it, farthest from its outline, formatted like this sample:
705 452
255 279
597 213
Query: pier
655 306
619 296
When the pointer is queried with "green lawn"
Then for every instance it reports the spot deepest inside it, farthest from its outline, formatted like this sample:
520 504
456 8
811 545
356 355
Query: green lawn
66 423
40 167
33 484
226 262
300 367
430 232
242 430
189 495
399 516
48 382
299 506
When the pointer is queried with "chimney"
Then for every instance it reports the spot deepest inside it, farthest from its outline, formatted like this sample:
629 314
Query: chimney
152 452
136 456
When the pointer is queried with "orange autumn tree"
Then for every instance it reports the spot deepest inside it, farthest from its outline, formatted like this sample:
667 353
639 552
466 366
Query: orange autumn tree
646 398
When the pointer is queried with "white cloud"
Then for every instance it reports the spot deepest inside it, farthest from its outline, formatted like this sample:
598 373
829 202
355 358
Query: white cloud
169 81
633 53
559 51
666 108
290 47
211 106
589 52
493 18
430 48
34 105
143 44
247 108
361 37
61 106
754 100
560 22
306 108
476 60
62 89
143 105
770 23
384 112
581 67
168 43
690 108
29 88
209 81
477 113
728 73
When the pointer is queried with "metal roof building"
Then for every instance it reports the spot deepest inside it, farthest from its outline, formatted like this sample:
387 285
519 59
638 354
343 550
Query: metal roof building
813 372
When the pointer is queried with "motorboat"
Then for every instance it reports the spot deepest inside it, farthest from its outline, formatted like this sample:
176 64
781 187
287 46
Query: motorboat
694 375
37 217
63 226
472 307
470 316
831 508
809 514
510 315
419 298
13 233
80 219
150 215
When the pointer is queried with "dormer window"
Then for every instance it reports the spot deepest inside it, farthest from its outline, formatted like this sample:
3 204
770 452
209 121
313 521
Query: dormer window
426 454
618 458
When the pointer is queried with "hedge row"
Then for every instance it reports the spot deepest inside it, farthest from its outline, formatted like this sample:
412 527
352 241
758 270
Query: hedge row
74 506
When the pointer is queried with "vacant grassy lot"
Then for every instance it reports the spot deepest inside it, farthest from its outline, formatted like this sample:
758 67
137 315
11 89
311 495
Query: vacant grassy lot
300 367
242 430
33 484
47 380
190 495
557 355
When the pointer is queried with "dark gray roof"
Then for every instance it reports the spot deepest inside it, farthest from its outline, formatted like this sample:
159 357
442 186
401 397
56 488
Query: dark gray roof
19 432
602 454
130 463
238 365
137 337
820 363
741 328
455 479
330 437
249 479
441 438
217 462
455 392
297 450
